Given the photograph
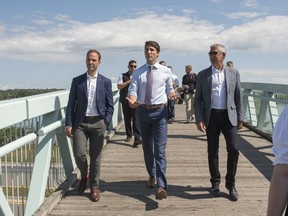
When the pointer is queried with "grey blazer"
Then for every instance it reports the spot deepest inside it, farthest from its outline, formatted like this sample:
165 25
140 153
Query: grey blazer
202 101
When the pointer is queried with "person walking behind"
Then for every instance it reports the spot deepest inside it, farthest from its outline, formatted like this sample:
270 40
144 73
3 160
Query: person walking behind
189 85
151 86
230 64
128 112
89 111
171 103
219 108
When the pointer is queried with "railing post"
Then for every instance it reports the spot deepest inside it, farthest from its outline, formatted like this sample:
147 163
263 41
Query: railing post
41 167
65 147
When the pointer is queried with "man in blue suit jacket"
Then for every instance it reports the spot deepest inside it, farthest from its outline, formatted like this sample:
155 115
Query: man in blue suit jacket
218 108
89 111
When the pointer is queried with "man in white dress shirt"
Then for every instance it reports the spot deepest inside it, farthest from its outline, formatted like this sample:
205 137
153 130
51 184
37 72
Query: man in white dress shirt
148 92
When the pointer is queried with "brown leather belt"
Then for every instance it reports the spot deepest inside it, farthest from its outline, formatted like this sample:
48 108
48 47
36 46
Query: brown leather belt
158 106
219 110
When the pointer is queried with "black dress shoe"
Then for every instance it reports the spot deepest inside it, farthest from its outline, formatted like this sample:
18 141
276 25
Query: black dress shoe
215 191
82 185
128 139
233 194
136 143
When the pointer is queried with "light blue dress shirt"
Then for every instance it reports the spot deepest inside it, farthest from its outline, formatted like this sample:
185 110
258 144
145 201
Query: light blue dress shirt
162 84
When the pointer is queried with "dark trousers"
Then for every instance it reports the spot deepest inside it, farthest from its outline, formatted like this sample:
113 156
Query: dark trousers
92 130
219 122
171 109
130 115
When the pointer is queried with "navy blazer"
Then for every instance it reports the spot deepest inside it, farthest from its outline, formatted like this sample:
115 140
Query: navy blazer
77 103
202 101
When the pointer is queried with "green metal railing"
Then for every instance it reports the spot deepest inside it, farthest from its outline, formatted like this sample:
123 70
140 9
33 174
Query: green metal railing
263 103
36 156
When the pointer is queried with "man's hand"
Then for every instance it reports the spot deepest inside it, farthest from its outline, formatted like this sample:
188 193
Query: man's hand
132 102
201 127
172 96
185 86
69 132
239 125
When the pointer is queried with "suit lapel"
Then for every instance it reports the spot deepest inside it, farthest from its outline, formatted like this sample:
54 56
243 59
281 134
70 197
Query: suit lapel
98 86
209 79
84 84
227 79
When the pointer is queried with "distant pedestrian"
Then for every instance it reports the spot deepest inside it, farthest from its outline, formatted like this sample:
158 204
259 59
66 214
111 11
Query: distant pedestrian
189 86
230 64
163 63
171 103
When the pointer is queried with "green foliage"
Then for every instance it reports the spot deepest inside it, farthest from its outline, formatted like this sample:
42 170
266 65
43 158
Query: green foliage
23 191
18 93
281 96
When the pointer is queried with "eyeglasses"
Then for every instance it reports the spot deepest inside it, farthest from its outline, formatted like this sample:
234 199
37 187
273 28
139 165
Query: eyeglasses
133 66
214 53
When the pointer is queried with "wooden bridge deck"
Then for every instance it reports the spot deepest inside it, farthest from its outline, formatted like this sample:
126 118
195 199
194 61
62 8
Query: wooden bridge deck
123 178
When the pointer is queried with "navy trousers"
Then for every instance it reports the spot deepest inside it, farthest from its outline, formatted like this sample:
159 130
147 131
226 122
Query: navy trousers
153 129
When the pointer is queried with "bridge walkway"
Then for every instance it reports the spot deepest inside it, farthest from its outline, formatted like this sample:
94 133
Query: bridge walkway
123 178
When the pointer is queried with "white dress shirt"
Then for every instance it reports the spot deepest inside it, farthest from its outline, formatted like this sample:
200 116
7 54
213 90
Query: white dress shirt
91 91
162 84
219 97
280 138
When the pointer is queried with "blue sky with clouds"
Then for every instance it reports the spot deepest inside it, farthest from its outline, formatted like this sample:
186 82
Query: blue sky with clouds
43 43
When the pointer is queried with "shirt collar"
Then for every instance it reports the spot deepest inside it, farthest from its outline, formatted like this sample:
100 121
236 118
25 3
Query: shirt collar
215 70
90 77
156 65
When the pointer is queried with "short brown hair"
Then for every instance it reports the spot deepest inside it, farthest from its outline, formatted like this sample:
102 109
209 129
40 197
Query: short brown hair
153 44
189 67
94 50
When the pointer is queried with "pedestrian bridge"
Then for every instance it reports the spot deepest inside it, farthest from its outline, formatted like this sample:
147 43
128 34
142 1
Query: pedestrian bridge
39 175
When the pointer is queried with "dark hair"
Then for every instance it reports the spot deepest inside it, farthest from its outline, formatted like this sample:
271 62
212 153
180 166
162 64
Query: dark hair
94 50
132 61
162 62
153 44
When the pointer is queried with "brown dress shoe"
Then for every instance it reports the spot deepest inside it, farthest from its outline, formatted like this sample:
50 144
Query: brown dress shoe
95 194
161 193
82 185
151 182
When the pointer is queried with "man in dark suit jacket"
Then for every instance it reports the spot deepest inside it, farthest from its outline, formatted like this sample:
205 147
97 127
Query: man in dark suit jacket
218 108
128 112
89 111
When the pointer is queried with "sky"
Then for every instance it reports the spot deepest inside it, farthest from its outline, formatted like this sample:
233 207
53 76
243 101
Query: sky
43 44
